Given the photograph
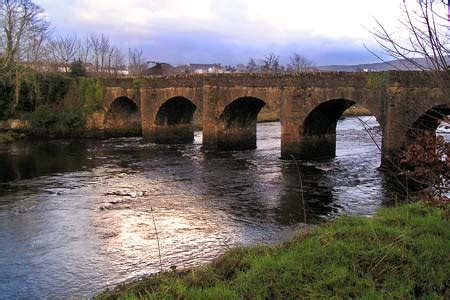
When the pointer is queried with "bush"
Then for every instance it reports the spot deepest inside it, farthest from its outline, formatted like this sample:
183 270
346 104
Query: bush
426 163
71 118
77 69
6 95
44 117
65 119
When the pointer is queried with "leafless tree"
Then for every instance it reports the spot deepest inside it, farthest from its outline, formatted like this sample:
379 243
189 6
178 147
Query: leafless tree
84 51
104 50
270 63
23 29
252 66
36 52
95 44
20 21
423 43
136 62
299 63
116 60
427 45
64 50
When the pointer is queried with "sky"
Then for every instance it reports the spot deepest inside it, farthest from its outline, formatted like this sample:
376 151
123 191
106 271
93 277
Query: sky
230 31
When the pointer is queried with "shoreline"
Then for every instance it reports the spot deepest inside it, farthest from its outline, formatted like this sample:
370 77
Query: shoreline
391 254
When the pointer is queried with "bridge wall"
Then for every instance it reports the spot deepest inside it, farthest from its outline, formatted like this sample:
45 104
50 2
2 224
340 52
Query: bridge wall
310 105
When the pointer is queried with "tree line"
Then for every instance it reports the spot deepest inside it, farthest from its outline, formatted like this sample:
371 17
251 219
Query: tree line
28 39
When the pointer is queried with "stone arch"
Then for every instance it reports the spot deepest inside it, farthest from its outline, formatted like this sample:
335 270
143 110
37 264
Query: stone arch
237 124
318 130
123 118
429 121
173 122
175 111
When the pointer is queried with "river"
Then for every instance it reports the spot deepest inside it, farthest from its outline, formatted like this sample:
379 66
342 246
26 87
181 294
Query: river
79 216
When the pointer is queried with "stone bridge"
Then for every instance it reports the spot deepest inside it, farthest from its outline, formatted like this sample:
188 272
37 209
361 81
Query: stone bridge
309 106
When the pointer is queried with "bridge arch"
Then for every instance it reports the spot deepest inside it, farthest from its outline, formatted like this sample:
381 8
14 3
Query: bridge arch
123 118
428 121
237 124
318 130
173 122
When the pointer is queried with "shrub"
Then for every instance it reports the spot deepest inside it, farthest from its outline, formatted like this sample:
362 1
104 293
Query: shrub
77 69
65 119
44 117
426 163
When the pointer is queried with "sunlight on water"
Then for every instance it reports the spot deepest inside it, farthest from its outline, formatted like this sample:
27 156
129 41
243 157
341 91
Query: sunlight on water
76 217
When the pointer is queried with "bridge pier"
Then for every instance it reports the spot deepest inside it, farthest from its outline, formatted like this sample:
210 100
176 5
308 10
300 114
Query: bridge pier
170 134
166 119
237 139
309 147
233 127
310 105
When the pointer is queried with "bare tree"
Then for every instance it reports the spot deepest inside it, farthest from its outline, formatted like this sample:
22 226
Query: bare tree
299 63
19 21
64 50
94 44
36 52
23 29
84 51
116 60
270 63
252 66
104 50
136 62
427 46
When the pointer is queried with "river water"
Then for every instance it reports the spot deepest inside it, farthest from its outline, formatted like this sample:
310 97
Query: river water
79 216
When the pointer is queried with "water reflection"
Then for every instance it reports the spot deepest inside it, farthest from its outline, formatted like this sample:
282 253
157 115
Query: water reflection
25 160
76 217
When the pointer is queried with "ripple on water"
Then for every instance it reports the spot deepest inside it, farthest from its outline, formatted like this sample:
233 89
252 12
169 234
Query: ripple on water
76 217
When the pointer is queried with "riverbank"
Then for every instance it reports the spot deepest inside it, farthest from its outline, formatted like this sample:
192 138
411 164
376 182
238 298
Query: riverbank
400 252
10 137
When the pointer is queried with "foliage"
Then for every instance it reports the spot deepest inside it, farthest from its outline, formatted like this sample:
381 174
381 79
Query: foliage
6 95
91 94
45 117
377 81
426 162
52 87
35 89
137 83
77 69
400 253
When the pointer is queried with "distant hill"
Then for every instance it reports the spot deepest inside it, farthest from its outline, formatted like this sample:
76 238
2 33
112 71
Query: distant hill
387 66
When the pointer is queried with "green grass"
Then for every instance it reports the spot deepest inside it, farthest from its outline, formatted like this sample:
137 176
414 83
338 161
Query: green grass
399 253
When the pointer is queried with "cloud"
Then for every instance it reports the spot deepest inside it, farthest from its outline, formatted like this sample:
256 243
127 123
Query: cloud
227 31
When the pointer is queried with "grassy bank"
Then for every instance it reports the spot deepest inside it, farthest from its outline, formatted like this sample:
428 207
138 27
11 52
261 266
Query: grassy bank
399 253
